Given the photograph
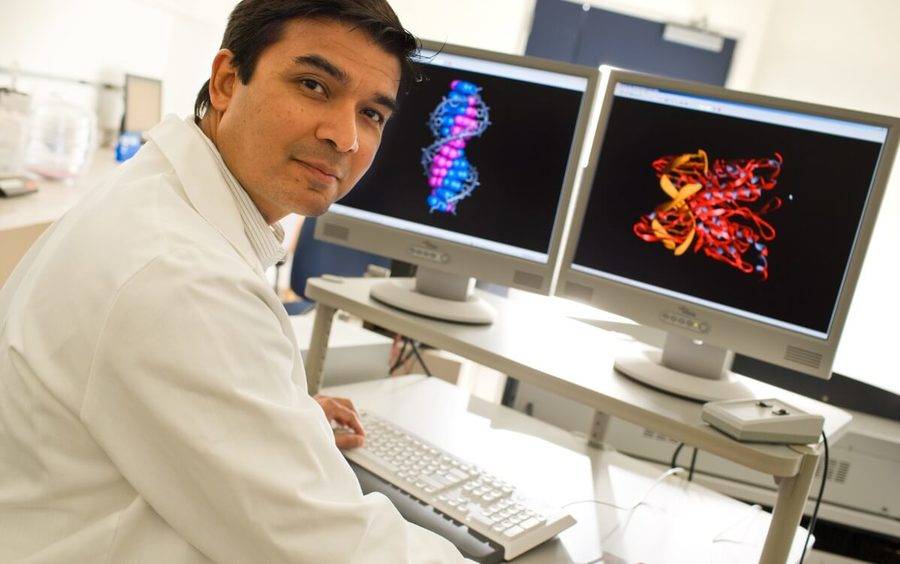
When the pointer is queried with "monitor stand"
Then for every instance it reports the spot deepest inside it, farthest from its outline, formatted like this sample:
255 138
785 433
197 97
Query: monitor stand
436 294
686 368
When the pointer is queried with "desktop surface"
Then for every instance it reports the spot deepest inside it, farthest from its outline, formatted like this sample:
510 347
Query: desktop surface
678 521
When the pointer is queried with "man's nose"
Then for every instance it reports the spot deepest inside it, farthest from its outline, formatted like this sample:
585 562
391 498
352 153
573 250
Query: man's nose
338 127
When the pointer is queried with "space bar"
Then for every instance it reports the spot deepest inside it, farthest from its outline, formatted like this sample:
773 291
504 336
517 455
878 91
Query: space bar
425 517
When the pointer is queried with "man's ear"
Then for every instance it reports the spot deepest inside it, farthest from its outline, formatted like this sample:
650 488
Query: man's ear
222 80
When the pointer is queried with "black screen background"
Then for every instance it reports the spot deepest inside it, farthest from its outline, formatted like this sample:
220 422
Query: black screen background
828 176
521 160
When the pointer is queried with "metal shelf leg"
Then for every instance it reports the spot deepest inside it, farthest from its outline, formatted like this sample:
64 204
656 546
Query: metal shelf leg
792 495
318 346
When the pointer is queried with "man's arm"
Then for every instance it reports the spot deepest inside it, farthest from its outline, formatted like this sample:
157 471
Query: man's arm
190 395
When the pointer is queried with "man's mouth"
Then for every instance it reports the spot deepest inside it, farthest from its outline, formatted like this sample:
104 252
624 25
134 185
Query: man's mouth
324 171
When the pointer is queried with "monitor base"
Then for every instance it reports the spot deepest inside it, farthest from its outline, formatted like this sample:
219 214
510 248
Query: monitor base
646 367
402 294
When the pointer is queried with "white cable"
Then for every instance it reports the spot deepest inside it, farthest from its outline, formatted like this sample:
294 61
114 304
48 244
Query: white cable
751 512
658 481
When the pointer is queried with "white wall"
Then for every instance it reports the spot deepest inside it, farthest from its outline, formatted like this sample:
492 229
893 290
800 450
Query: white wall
101 40
848 54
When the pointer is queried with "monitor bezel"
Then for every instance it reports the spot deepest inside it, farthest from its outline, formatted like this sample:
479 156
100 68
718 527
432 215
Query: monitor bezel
486 265
758 339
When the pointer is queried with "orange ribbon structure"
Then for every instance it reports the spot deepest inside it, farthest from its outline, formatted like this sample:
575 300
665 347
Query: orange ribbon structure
707 209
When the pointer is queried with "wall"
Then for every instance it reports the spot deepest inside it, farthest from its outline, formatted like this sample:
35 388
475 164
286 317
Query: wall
101 40
848 54
503 25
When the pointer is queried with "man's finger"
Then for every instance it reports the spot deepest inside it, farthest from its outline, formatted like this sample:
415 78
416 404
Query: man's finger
348 440
345 402
348 418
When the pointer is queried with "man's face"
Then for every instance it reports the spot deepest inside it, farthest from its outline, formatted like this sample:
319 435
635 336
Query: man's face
305 128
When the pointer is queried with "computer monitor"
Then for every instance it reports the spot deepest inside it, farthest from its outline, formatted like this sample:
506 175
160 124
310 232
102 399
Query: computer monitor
734 222
143 103
473 179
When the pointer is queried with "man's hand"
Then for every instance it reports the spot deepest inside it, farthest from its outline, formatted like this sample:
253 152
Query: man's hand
340 411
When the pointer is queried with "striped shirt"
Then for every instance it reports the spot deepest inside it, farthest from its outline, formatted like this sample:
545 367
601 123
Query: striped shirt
265 239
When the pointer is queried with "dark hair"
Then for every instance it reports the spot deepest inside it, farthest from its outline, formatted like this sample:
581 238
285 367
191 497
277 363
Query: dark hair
255 24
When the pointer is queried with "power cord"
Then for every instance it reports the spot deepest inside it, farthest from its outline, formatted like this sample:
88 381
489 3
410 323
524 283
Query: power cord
675 455
674 461
404 357
630 509
693 462
815 513
660 479
751 512
415 349
401 357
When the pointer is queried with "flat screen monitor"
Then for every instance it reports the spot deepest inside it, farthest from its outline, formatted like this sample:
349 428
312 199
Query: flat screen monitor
733 221
472 180
143 103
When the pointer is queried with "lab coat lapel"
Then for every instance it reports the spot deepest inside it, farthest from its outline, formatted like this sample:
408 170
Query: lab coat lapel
203 182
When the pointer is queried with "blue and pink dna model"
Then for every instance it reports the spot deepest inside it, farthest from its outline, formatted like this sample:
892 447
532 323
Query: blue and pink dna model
460 116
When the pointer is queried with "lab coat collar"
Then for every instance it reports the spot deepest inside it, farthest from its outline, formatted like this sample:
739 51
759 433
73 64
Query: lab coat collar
203 182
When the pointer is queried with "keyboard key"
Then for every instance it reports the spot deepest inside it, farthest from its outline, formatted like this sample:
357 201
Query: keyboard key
481 520
513 532
530 523
433 483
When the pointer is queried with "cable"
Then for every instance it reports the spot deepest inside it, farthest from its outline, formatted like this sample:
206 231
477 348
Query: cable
400 360
674 462
663 476
693 461
415 349
752 510
403 357
815 513
675 455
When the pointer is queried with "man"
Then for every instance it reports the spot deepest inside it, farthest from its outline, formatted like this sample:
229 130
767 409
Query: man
153 404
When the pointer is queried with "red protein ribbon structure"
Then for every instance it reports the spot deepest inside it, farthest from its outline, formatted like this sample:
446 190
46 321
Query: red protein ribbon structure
708 207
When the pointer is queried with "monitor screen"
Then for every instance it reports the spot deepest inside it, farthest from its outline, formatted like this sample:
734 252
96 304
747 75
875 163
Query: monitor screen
477 155
143 103
746 209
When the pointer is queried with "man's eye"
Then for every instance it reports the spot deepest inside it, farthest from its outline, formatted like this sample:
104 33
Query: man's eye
312 84
378 117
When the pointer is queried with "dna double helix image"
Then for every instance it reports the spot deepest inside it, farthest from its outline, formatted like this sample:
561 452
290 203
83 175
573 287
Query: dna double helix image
460 116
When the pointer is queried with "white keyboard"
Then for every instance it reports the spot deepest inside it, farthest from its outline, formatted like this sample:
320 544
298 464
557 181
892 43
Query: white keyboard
484 503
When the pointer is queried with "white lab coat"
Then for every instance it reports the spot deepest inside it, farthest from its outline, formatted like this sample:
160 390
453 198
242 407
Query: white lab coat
153 403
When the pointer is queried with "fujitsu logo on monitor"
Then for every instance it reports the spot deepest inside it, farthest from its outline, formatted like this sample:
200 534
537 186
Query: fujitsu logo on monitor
685 311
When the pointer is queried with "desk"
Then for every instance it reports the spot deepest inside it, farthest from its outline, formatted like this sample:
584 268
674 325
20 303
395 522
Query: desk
574 360
24 218
678 523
